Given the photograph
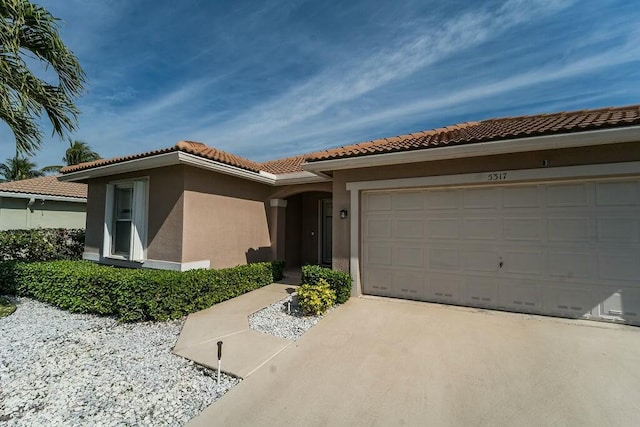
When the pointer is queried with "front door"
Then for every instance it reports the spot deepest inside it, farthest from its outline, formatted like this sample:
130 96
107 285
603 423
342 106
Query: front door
326 224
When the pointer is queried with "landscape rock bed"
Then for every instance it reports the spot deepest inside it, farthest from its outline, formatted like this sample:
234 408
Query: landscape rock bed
60 368
276 320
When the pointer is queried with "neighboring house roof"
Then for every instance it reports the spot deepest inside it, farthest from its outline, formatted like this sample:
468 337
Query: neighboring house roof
46 185
508 128
490 130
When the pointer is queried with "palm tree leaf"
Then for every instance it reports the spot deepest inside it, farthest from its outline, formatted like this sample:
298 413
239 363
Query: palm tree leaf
26 28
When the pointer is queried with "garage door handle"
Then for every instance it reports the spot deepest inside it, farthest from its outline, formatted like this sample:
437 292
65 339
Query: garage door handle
501 264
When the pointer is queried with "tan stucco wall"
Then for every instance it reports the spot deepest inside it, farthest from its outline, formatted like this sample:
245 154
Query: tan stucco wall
555 158
15 214
225 219
199 215
164 227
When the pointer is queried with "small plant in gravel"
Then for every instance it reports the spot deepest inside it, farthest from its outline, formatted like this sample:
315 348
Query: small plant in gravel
339 281
316 299
6 307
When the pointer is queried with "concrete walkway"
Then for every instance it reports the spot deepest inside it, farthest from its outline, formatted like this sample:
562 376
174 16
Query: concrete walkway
377 362
244 350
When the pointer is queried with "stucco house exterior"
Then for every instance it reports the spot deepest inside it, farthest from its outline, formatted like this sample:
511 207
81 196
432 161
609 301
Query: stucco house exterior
536 214
43 202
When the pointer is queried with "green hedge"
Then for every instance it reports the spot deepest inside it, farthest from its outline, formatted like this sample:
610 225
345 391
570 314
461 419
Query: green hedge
41 244
129 294
278 270
339 281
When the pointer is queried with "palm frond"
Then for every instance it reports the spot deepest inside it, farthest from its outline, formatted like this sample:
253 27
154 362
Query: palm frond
29 28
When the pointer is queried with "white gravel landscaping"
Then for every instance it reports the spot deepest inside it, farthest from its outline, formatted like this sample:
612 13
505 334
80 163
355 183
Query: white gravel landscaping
276 320
59 368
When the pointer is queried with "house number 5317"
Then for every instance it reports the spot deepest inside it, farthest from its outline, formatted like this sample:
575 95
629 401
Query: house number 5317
499 176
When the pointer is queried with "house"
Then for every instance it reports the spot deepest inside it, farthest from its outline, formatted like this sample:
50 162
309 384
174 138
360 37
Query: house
43 202
536 214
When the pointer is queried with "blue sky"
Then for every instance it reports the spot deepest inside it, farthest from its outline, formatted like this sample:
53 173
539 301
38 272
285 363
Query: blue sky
268 79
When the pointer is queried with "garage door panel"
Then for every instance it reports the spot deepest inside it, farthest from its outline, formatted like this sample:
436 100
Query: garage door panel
617 193
523 229
480 259
569 265
481 198
443 228
612 305
520 295
378 202
613 229
569 249
619 265
379 255
441 200
413 200
410 257
568 302
520 197
567 195
480 229
409 228
568 229
481 291
626 301
378 228
378 282
521 261
443 288
444 258
409 284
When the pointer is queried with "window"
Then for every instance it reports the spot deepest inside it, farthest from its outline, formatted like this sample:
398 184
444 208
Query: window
126 220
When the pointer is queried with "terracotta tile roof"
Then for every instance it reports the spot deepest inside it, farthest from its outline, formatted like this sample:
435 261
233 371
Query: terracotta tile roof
490 130
191 147
288 165
49 185
460 134
202 150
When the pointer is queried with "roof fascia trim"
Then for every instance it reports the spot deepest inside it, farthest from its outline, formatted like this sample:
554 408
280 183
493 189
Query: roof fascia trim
200 162
180 157
519 145
40 196
134 165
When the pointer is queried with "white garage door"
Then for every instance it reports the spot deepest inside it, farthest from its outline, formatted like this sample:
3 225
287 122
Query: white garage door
565 249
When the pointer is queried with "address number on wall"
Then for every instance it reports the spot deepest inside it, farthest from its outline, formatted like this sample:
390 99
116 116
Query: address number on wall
497 176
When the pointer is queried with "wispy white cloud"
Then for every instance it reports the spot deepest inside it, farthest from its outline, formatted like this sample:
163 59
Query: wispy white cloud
401 59
327 133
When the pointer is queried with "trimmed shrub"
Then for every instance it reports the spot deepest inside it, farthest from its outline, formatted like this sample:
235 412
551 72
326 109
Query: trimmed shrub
7 277
339 281
129 294
316 299
278 270
41 244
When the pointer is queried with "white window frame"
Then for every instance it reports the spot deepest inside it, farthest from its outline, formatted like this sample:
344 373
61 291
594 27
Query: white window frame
139 219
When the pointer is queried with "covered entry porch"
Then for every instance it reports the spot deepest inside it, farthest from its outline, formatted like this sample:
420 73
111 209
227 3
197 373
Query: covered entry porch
301 231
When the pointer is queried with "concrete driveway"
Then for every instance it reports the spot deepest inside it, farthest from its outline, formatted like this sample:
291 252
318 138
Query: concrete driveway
377 362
